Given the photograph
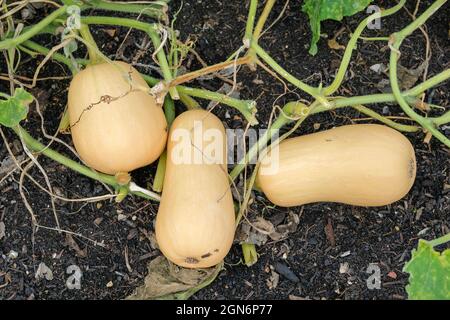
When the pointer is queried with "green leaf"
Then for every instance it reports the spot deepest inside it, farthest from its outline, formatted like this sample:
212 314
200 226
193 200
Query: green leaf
429 273
319 10
15 109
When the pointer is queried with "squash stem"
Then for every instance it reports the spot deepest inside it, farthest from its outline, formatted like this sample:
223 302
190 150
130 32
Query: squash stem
92 48
314 92
152 32
250 21
246 107
259 27
158 182
38 147
249 253
188 101
352 46
157 10
291 111
32 31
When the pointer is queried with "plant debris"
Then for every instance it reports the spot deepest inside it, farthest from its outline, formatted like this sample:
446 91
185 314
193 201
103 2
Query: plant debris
166 280
43 272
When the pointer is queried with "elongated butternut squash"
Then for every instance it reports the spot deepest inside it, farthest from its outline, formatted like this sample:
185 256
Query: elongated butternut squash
195 223
116 124
364 165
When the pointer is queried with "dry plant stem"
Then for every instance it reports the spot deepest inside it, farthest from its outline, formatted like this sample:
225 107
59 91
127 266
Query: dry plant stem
96 243
47 180
208 70
24 197
248 193
246 107
22 194
44 61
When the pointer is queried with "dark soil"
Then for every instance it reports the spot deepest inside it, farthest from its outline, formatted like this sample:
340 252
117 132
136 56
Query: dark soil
383 236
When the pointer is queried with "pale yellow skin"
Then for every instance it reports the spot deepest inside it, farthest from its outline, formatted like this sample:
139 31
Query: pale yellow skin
127 133
363 165
195 223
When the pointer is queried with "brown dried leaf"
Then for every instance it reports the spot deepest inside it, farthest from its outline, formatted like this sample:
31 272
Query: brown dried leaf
272 281
263 226
166 281
408 77
71 243
329 232
333 44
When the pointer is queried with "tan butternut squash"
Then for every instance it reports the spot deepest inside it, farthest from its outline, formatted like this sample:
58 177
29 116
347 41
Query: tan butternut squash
116 124
195 223
363 165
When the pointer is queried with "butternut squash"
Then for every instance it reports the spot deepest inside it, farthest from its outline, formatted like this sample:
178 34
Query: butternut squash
363 165
195 223
116 125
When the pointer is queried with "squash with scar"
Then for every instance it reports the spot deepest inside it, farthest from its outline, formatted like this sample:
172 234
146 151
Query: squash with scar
116 125
195 223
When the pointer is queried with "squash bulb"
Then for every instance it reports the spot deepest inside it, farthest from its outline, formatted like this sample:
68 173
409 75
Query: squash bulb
116 125
362 165
195 223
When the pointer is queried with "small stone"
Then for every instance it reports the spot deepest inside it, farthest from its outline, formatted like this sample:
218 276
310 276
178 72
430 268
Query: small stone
109 284
386 110
98 220
423 231
345 254
13 254
378 68
286 272
392 275
121 217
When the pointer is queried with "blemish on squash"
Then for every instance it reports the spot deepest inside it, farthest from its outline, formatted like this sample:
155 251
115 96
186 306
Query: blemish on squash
191 260
206 255
216 250
328 140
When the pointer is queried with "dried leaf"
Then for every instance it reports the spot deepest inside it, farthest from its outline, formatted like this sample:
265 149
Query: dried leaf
333 44
272 281
264 226
247 234
408 77
43 272
71 243
170 282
